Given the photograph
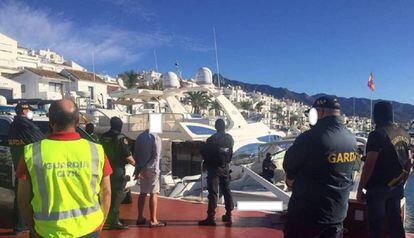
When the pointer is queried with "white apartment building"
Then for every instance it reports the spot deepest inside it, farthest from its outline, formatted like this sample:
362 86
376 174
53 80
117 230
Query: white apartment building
8 55
10 89
235 94
13 58
86 84
151 76
42 84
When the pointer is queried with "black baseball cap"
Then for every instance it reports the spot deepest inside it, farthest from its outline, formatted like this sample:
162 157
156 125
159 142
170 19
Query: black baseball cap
326 102
22 106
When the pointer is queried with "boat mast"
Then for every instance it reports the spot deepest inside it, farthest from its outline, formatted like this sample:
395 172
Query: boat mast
156 60
217 62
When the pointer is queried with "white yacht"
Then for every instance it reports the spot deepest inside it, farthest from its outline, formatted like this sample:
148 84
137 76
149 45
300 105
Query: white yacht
178 125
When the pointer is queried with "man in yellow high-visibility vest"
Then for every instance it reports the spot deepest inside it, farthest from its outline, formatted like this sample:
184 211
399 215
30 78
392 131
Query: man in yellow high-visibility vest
64 187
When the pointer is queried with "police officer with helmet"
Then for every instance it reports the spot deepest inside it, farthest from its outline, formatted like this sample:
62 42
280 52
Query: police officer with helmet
385 172
319 168
22 132
117 149
217 154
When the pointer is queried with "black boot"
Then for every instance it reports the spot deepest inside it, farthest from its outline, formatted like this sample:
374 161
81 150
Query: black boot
207 222
226 217
115 226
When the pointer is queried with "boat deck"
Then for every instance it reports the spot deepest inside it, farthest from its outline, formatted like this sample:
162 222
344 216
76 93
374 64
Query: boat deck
182 216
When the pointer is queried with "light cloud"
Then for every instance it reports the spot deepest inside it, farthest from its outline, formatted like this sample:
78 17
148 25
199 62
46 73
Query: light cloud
133 7
192 45
41 28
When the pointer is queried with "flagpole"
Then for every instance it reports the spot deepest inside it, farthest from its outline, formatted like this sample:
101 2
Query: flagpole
354 107
372 92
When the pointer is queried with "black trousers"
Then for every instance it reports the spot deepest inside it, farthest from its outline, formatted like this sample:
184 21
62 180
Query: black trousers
384 203
215 178
118 183
295 229
19 223
268 175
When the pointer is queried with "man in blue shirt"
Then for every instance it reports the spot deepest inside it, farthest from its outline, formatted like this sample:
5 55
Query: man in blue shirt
147 153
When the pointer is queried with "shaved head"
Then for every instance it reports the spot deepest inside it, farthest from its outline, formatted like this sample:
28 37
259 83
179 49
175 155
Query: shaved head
63 115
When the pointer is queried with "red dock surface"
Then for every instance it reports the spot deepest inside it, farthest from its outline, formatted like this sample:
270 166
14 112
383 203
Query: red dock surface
182 216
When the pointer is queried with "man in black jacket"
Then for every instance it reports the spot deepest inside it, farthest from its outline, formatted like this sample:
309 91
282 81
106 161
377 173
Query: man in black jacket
268 168
217 154
319 168
386 169
22 132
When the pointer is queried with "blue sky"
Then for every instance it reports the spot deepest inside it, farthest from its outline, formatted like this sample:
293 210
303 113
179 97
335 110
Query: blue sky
315 46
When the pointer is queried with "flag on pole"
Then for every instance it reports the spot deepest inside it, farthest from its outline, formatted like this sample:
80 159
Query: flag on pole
371 84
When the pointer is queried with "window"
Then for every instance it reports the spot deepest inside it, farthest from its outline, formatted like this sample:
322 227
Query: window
268 138
247 152
55 87
90 90
198 130
23 88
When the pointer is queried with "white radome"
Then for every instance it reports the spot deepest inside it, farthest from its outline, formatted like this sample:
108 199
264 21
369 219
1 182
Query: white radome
170 80
3 100
204 76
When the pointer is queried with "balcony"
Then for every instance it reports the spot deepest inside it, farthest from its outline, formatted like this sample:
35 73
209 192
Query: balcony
50 95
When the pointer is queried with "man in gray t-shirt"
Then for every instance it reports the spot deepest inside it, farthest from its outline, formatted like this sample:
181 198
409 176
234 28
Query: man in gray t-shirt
147 154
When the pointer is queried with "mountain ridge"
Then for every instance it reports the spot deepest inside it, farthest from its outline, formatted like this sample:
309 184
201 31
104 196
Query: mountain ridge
403 112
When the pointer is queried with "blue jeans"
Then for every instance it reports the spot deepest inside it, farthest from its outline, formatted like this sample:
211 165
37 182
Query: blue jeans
383 203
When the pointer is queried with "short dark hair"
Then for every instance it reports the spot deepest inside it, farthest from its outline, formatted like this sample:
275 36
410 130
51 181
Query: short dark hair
116 124
383 113
90 127
220 125
61 118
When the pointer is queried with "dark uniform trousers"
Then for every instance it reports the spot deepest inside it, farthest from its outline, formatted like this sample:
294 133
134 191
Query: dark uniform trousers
219 177
384 202
118 183
303 230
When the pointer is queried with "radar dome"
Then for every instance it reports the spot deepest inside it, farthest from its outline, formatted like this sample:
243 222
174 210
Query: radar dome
3 100
170 80
204 76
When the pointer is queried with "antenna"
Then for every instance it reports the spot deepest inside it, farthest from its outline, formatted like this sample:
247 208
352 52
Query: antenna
156 60
93 65
217 62
177 66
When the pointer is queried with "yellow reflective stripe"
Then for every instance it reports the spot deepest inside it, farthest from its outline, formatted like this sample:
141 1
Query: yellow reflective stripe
95 164
54 216
41 180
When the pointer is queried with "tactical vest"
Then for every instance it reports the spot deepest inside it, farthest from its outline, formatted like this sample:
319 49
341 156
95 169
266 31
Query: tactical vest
221 149
398 142
65 178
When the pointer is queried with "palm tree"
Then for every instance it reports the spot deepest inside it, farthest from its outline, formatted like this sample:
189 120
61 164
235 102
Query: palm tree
246 105
214 105
259 106
198 100
130 78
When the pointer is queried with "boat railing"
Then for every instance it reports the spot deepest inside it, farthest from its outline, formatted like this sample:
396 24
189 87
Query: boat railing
279 193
